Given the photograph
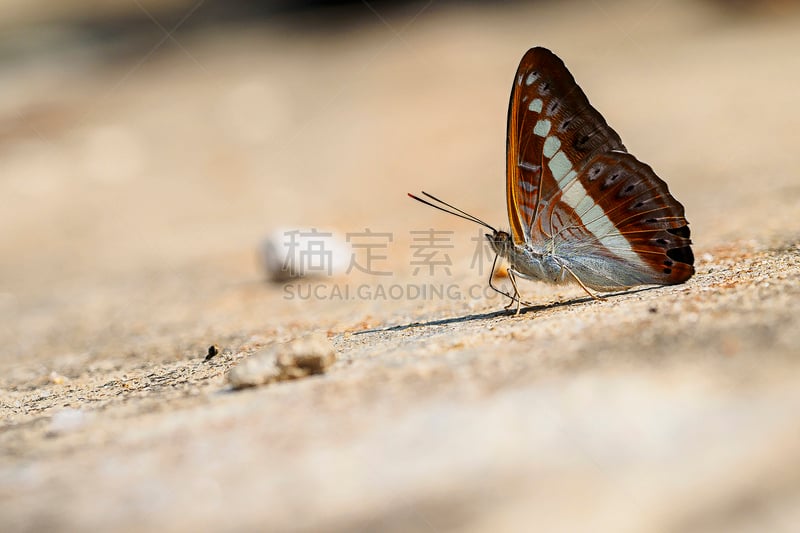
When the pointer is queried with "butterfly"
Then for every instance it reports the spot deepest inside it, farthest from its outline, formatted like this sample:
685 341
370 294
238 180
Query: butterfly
581 208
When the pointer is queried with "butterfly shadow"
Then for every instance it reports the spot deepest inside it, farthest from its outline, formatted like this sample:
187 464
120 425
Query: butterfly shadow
495 314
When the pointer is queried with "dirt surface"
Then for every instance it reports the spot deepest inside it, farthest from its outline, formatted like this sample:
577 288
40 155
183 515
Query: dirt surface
136 190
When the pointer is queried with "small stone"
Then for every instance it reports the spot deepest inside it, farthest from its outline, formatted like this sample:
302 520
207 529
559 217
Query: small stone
258 369
56 378
295 359
213 351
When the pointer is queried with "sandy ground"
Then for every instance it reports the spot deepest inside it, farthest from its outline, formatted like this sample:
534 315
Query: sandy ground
135 191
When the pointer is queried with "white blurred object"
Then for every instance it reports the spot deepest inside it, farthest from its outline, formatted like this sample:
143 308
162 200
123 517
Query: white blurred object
290 253
67 420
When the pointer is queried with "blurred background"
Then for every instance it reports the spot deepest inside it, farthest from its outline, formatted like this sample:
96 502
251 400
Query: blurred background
148 146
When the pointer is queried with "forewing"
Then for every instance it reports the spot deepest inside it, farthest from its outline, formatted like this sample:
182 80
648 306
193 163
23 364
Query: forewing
552 130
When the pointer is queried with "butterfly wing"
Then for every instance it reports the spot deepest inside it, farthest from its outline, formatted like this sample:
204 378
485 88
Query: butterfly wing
624 228
550 124
572 188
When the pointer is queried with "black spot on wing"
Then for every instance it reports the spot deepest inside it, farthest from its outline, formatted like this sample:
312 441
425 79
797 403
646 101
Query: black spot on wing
682 231
683 255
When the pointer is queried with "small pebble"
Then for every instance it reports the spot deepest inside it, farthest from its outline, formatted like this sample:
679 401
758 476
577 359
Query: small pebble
213 351
295 359
56 378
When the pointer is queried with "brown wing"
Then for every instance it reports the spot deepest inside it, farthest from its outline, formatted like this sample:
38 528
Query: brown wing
612 220
630 230
544 92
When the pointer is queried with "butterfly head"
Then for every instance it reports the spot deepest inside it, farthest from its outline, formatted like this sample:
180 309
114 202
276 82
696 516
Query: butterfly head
501 242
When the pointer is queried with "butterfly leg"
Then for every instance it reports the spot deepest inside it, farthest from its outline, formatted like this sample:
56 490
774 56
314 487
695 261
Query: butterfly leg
516 292
515 298
495 289
576 278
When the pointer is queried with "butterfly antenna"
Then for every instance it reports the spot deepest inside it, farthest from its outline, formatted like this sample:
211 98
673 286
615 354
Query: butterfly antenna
452 211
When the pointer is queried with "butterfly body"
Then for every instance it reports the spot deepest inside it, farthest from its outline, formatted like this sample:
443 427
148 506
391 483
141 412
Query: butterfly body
524 260
557 263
